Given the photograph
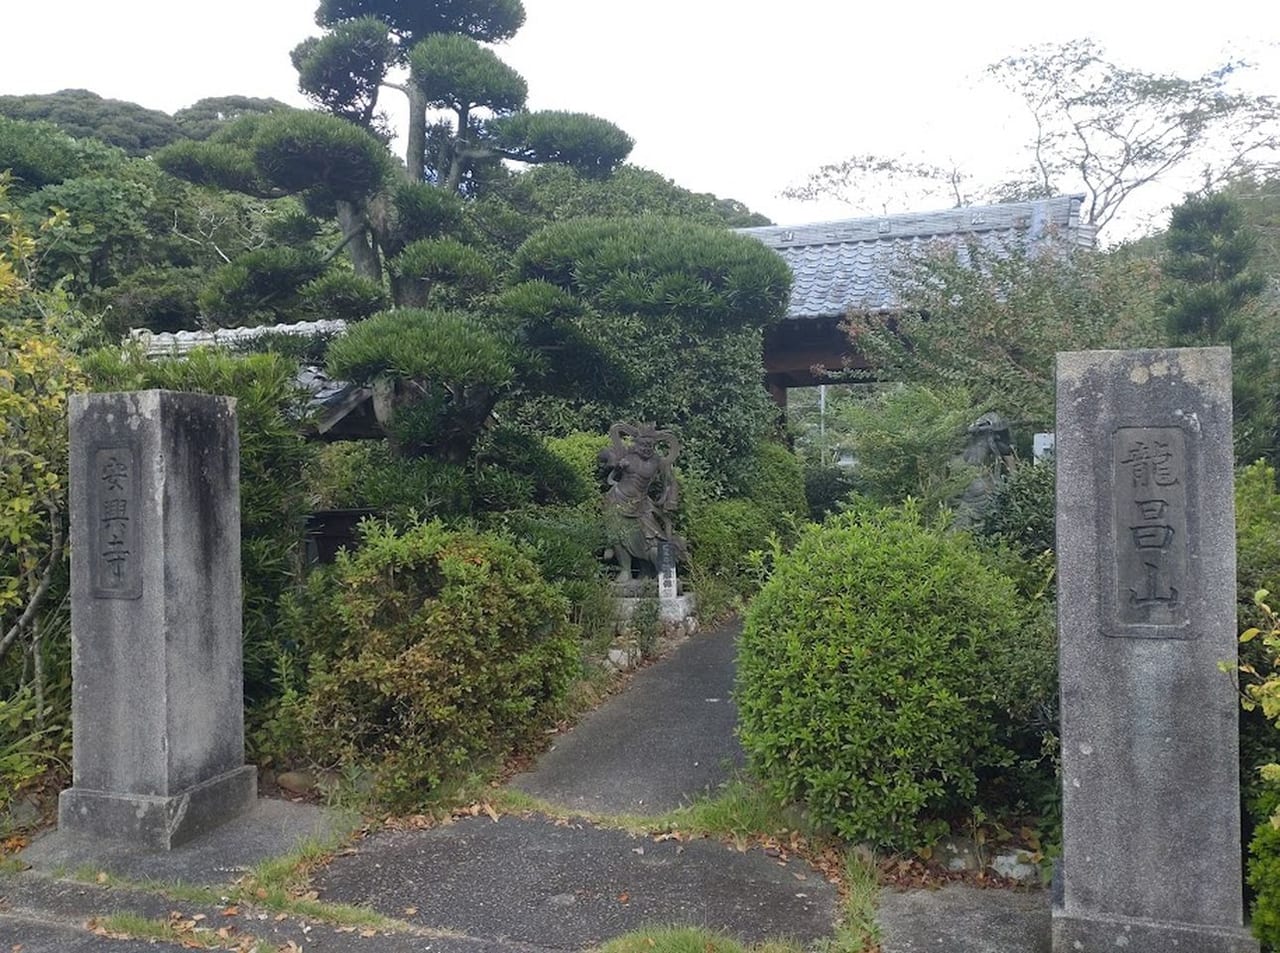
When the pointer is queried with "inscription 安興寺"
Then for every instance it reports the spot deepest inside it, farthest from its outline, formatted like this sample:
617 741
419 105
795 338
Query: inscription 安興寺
114 528
1150 532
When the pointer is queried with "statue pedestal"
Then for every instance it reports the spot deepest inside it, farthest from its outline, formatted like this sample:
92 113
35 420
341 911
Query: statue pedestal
676 609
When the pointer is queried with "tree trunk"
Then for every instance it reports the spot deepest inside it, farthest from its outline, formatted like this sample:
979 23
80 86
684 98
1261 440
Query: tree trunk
364 255
454 181
415 151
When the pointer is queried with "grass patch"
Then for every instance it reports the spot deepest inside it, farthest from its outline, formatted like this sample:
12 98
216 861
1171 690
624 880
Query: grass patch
283 884
11 864
131 926
688 940
857 931
740 810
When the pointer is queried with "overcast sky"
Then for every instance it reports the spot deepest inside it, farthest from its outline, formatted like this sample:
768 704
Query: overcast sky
737 97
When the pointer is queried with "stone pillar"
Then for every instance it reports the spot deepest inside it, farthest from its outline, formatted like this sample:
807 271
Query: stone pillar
157 689
1146 597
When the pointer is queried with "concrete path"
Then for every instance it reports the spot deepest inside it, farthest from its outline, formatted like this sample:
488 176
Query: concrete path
663 742
960 919
568 885
572 886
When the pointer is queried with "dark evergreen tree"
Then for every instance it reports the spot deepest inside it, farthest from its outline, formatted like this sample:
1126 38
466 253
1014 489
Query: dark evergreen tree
1209 251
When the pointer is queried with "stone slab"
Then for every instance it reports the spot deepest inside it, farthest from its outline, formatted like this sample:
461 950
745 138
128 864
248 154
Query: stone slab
664 742
270 828
962 919
1146 612
572 886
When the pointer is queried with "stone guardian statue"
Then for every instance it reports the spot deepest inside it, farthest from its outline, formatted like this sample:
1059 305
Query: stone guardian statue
642 496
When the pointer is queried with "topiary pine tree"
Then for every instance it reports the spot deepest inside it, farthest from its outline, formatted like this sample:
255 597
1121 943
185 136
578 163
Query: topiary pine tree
478 101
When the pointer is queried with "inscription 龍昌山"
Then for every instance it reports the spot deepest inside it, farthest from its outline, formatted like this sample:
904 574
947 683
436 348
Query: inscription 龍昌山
1150 530
113 483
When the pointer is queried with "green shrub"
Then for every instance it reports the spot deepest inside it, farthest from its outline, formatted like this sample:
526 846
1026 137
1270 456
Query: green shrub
579 450
1257 567
342 295
1257 538
441 273
445 369
566 540
777 483
1264 869
873 675
825 488
721 533
160 299
1022 510
906 439
548 477
454 648
259 287
1019 518
368 474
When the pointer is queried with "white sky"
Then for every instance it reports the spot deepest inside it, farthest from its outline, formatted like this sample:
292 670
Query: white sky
737 97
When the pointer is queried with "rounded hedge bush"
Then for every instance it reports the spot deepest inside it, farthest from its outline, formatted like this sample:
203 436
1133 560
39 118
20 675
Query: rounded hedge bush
453 647
870 683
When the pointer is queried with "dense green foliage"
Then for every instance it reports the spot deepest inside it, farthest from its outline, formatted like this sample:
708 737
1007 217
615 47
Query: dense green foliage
443 370
1021 511
82 114
874 675
1257 567
907 440
580 452
678 308
450 647
1213 295
1264 872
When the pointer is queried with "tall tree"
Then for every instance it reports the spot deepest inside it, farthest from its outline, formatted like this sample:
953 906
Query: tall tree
1113 129
431 52
1097 127
1214 294
1209 253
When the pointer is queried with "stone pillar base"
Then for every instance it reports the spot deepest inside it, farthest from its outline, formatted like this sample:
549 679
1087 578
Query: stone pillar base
1074 933
157 822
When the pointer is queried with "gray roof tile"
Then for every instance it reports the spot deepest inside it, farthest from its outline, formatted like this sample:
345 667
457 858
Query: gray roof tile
851 264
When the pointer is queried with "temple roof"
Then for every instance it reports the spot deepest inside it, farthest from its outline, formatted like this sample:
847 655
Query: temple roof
851 264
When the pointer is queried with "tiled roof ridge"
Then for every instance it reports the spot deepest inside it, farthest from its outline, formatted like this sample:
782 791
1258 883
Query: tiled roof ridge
180 342
1034 215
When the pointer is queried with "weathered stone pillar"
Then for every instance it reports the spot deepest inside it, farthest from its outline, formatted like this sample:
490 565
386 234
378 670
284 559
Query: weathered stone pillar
1146 596
157 707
